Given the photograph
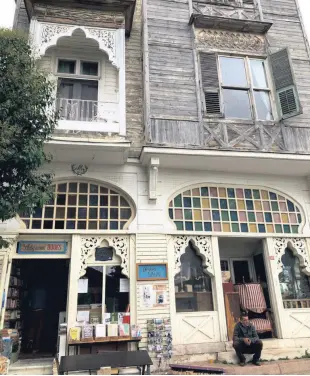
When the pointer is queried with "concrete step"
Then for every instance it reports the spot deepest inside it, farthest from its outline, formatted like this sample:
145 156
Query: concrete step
32 367
267 354
275 343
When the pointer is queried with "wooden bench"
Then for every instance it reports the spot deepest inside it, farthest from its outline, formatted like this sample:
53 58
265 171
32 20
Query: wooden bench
113 359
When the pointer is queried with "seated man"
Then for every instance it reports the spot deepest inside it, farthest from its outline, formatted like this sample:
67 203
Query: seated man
246 341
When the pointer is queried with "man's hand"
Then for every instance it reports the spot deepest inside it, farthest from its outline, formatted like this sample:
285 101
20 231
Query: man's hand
247 341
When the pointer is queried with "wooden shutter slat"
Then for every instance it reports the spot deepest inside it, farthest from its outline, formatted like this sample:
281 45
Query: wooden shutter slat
284 82
210 83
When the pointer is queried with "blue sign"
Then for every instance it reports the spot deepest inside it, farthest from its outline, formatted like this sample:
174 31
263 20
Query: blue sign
151 272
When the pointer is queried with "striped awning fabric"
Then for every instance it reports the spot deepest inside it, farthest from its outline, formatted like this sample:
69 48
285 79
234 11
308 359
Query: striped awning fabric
251 297
261 325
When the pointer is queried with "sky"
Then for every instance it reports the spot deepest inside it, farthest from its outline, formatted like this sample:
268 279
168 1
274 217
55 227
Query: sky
7 8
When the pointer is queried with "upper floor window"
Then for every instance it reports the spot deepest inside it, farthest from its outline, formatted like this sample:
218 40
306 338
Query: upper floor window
77 95
240 87
244 88
78 67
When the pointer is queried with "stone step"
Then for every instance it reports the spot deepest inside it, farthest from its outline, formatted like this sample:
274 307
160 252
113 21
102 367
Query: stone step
275 343
267 354
32 367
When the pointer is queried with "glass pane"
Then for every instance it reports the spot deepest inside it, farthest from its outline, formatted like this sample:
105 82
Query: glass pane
294 283
66 66
91 297
241 271
192 285
237 104
89 68
117 291
258 73
233 72
263 106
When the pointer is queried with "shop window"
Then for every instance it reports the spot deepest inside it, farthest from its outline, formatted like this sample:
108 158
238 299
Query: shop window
103 295
193 287
241 210
294 283
81 206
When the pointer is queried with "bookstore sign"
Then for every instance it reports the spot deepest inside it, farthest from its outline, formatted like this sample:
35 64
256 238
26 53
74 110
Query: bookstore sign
41 248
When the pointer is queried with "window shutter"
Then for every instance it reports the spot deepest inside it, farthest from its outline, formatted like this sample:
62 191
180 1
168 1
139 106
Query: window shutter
284 81
210 83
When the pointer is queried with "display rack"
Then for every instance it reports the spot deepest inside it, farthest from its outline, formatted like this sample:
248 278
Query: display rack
159 340
12 319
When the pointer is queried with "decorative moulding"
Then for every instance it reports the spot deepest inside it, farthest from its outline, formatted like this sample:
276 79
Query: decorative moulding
119 243
298 246
153 177
202 245
226 40
44 35
79 169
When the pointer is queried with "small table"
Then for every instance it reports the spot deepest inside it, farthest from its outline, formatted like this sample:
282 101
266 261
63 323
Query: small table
113 359
115 340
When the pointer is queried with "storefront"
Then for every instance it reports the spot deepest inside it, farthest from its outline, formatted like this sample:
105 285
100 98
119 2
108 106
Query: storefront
188 261
53 282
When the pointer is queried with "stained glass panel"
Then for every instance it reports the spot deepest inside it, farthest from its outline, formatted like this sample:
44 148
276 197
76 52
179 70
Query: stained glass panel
222 209
83 206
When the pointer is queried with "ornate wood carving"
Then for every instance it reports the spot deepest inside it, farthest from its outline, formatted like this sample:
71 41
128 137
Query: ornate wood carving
119 243
231 41
297 246
226 12
202 245
222 135
45 35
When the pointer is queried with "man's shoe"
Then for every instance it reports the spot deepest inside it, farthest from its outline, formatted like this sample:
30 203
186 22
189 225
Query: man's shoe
242 364
256 363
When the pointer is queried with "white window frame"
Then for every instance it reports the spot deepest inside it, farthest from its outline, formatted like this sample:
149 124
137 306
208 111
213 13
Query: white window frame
113 262
250 88
78 65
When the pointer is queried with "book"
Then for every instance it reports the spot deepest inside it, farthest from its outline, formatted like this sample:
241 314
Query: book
87 331
100 330
135 331
75 334
114 318
124 330
112 330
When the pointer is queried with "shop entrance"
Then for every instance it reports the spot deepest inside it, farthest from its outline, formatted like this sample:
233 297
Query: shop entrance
37 295
245 284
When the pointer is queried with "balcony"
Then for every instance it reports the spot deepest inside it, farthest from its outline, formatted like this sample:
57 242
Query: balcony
98 115
232 15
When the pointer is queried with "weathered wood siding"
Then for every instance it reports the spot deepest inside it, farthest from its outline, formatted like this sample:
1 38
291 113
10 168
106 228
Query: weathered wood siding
172 82
287 31
21 21
173 96
134 84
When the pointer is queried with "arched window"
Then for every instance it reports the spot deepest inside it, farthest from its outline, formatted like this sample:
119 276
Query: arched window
293 282
193 287
81 206
227 209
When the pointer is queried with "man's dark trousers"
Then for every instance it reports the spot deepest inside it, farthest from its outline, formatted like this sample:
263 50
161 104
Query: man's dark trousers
254 348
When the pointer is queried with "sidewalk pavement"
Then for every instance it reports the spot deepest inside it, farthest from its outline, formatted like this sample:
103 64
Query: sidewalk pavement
279 367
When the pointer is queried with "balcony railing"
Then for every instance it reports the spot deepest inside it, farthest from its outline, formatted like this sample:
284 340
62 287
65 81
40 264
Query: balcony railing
296 303
87 110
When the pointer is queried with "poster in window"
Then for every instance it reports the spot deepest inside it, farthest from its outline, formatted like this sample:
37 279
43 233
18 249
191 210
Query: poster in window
83 286
124 285
153 296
